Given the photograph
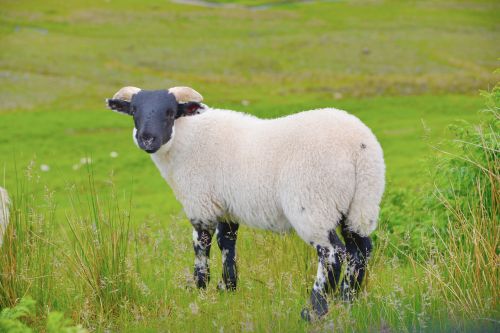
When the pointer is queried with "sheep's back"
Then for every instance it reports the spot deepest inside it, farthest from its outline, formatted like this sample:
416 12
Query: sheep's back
250 168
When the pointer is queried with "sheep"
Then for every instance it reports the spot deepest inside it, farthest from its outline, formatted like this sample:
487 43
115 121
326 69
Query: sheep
4 213
311 172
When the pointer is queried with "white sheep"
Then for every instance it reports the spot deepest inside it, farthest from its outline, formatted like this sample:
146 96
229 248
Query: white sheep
4 213
312 172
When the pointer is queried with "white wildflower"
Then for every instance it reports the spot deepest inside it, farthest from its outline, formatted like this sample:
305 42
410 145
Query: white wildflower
44 167
85 160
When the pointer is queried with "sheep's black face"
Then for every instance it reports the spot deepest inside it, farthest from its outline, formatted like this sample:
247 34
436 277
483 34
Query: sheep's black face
154 113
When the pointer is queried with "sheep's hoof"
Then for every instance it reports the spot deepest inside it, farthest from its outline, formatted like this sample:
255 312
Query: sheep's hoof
311 316
319 303
201 278
201 283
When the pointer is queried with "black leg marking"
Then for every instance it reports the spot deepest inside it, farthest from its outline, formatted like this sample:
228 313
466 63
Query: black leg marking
335 264
327 277
358 250
227 233
202 241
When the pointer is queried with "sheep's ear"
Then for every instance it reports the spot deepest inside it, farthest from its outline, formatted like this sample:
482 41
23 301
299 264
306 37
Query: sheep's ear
119 105
188 109
121 100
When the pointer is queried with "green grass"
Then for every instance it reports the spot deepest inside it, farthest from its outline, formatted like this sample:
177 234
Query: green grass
407 69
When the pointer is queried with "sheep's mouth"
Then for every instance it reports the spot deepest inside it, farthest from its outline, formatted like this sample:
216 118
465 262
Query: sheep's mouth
151 151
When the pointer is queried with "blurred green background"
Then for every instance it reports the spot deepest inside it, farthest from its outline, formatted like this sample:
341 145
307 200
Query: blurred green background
401 66
406 68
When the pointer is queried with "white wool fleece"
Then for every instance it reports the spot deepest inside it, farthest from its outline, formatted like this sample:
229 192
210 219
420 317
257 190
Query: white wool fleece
303 171
4 213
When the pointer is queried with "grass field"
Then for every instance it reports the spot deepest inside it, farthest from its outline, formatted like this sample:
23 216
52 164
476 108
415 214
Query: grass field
407 69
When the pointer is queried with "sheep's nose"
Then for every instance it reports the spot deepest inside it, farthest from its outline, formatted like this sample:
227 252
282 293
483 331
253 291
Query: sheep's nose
147 139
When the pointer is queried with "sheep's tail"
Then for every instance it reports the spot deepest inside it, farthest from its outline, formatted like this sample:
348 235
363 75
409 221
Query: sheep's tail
4 213
370 182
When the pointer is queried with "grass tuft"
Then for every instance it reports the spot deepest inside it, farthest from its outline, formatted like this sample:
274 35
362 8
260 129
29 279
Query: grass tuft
99 258
26 257
465 270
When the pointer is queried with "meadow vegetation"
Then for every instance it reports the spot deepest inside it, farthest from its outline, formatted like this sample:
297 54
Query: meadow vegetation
98 237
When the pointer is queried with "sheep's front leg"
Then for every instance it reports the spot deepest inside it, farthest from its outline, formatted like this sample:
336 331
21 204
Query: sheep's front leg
227 233
202 241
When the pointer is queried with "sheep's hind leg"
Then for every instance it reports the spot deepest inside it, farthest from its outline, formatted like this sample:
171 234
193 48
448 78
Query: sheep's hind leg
327 277
358 250
202 241
227 233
